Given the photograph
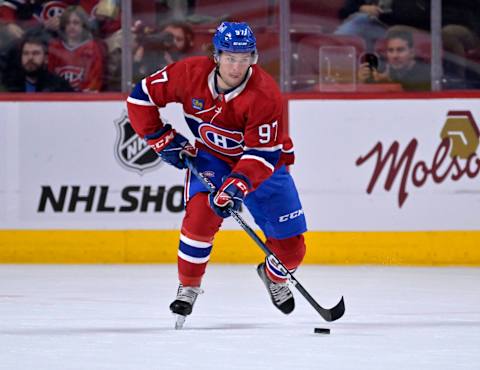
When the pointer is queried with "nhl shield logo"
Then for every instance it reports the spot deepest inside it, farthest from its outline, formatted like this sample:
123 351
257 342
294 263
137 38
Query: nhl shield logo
131 151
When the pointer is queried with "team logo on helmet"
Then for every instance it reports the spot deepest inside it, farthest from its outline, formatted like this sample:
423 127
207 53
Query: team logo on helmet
131 151
223 141
234 37
222 27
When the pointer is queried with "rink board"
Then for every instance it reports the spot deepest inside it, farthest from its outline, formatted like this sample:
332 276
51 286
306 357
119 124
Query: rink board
432 248
76 186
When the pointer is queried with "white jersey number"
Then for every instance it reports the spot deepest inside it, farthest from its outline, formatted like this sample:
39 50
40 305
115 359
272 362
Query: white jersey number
163 76
266 131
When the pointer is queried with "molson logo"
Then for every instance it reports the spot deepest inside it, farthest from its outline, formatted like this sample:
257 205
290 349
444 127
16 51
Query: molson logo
454 158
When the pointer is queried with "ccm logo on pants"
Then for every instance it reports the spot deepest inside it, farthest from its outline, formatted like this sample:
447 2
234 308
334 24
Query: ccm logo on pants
290 216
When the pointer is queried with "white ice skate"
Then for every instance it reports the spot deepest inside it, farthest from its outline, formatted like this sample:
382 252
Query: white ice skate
182 306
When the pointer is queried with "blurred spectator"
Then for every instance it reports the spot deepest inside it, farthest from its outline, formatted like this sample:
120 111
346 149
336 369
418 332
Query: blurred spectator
176 10
181 11
182 37
185 11
33 75
108 14
76 56
156 49
464 13
22 15
112 78
401 66
370 19
105 16
461 43
460 69
7 43
10 33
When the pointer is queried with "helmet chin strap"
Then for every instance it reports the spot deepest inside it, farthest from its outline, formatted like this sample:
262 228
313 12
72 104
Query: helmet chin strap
218 75
216 58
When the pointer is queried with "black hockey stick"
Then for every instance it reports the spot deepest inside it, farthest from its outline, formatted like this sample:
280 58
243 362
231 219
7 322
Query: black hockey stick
328 314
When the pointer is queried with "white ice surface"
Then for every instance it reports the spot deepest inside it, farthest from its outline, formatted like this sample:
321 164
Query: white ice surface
117 317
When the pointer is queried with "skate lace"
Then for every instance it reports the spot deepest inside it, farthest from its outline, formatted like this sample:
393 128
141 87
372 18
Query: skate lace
280 292
188 294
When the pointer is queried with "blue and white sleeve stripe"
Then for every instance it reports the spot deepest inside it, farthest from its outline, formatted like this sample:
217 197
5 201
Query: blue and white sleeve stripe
139 95
268 156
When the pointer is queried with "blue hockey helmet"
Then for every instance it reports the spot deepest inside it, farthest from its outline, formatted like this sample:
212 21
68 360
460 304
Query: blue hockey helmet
235 38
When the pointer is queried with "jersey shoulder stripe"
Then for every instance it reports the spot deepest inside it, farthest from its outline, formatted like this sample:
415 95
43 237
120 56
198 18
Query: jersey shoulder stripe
140 95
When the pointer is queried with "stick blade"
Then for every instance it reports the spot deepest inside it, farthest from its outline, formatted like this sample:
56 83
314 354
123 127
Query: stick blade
335 312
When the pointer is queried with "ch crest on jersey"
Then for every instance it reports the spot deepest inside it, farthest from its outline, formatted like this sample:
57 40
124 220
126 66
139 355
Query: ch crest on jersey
72 74
131 151
223 141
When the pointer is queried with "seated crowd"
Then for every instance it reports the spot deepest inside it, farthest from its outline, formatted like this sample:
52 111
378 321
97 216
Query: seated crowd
377 20
400 66
80 41
76 45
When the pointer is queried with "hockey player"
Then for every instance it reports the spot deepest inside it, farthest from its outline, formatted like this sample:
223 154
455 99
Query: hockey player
234 110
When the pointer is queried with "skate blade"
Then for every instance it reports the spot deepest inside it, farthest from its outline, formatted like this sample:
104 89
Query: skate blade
179 322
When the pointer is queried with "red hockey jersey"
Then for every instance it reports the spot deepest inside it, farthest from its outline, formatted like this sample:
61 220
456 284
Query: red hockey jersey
243 127
82 66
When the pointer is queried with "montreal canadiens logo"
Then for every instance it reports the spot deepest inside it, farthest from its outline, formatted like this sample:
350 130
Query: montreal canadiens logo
52 9
72 74
223 141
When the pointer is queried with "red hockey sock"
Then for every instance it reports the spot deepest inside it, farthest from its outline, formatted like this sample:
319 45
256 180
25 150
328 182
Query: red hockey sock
200 224
290 251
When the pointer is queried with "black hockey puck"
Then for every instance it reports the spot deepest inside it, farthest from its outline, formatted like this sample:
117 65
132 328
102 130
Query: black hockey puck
321 331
